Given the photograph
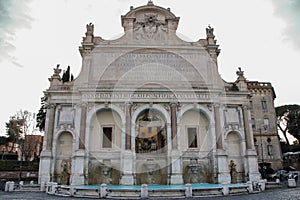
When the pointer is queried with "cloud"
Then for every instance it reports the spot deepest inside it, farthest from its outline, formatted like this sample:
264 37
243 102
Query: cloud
14 16
289 11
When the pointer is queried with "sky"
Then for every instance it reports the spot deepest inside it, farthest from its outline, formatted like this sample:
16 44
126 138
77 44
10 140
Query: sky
260 36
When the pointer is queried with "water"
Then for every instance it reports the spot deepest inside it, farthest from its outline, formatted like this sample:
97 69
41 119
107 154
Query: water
158 187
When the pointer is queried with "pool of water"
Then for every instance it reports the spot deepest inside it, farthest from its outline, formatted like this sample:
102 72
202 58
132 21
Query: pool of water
158 187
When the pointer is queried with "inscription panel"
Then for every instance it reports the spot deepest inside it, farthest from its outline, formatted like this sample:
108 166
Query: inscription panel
146 66
126 96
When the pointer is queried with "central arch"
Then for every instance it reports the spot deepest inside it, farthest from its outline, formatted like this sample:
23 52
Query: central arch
151 142
151 133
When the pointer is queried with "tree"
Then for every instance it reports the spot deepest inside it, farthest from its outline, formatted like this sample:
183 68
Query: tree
288 120
41 116
67 76
14 130
20 125
294 124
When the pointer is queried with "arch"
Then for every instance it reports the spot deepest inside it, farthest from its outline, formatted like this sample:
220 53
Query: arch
240 135
58 133
235 159
64 143
113 121
195 128
93 112
198 107
157 107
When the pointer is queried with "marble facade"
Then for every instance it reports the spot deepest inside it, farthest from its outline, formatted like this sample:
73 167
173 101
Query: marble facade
148 108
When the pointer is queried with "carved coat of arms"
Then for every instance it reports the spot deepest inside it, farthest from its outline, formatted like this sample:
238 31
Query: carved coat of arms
150 28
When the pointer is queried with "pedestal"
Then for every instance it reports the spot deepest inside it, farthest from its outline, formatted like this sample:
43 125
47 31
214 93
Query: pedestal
223 170
77 176
127 169
45 168
254 175
127 180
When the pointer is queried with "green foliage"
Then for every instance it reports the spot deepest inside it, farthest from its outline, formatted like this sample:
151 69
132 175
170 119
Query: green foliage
41 116
294 123
67 76
288 120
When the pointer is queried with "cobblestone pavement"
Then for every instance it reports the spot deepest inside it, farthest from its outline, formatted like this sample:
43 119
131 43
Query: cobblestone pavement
275 194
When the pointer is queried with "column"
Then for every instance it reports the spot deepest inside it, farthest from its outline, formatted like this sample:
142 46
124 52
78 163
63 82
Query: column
248 136
82 127
174 125
219 136
128 127
50 129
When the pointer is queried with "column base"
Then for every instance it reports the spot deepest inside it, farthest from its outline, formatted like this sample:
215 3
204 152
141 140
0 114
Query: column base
254 177
176 179
127 180
224 178
77 179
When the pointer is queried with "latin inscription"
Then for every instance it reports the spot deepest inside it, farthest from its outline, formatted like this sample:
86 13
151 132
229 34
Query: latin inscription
120 95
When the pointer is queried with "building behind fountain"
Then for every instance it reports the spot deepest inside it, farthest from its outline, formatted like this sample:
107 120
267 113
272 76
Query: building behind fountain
151 108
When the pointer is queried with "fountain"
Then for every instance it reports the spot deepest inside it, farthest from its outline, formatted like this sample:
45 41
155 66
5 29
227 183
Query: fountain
150 166
196 172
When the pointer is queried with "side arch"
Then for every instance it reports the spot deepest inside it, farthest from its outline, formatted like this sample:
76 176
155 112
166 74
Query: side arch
63 153
235 145
205 111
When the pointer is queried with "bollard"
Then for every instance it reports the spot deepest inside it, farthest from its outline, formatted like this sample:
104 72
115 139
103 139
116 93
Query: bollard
72 191
291 183
250 187
225 189
262 185
144 191
103 190
6 186
53 188
188 190
10 186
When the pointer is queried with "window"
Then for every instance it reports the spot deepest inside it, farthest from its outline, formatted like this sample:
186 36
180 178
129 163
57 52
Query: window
251 105
150 130
253 123
264 106
266 124
107 137
270 152
192 137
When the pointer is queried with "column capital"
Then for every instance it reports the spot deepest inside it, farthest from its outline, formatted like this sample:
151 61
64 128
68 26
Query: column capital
216 105
173 104
84 104
52 105
246 107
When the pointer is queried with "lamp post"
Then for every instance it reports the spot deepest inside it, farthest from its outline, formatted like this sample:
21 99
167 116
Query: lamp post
21 160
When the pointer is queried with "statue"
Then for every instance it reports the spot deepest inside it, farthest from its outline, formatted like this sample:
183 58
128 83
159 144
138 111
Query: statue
210 32
65 174
89 29
233 172
57 71
240 73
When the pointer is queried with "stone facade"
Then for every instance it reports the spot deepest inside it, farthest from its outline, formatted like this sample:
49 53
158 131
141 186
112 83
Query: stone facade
149 108
263 117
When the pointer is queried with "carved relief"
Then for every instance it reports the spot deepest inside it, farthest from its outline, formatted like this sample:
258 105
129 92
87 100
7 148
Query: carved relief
150 28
